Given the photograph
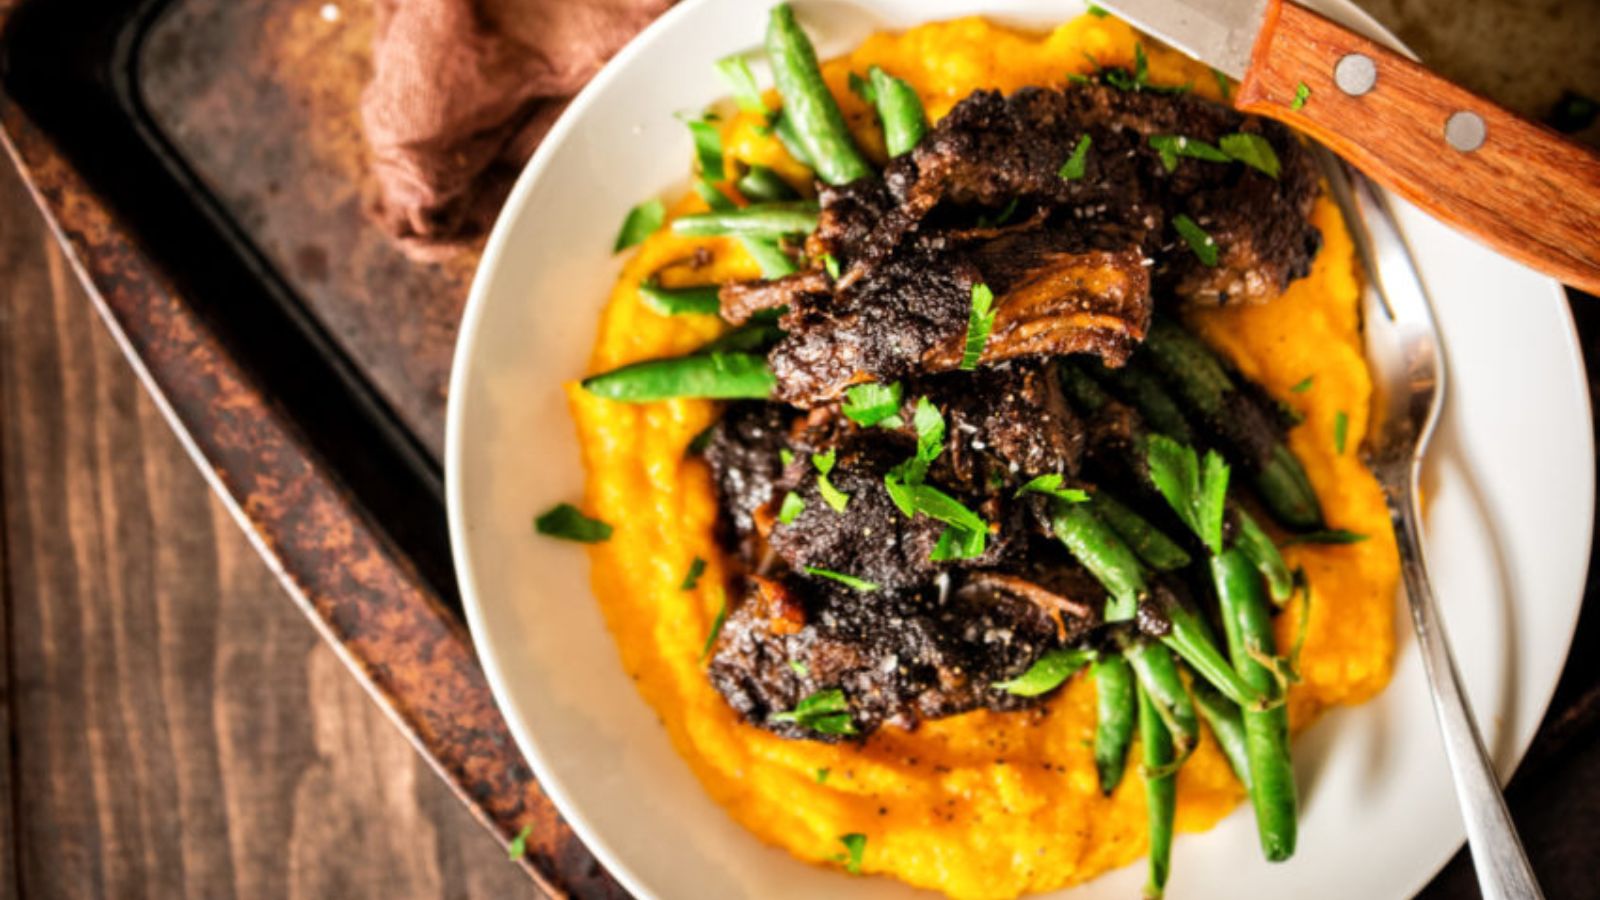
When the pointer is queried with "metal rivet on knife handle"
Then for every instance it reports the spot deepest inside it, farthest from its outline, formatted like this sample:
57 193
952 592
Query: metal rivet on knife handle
1465 131
1355 74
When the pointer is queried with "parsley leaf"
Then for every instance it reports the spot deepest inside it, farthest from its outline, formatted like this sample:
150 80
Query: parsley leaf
1050 485
958 543
707 148
1327 536
855 845
692 578
1047 673
1224 84
868 404
1201 243
799 668
1304 384
1341 429
566 522
830 264
1097 12
979 323
1251 149
1172 146
735 71
862 88
849 581
791 509
717 622
642 221
822 775
518 847
1302 93
831 495
825 711
785 455
1077 163
1197 495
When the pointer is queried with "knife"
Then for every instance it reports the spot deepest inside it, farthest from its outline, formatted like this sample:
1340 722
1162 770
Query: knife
1516 186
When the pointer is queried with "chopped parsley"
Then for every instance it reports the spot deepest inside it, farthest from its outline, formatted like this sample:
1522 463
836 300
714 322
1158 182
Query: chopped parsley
1196 492
692 578
701 441
707 148
1047 673
1077 163
1304 384
822 775
568 523
1341 429
717 621
1097 12
854 846
929 425
849 581
825 712
979 323
799 668
791 509
869 404
1302 93
1251 149
862 88
830 264
1201 243
831 495
1050 485
735 71
642 221
1139 79
1326 536
785 455
1172 146
968 532
518 848
1224 84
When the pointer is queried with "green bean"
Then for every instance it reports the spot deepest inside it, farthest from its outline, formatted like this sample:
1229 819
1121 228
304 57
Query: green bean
783 128
1202 381
1222 715
1160 790
680 301
761 220
1104 554
1149 396
900 111
1113 733
1081 389
774 263
710 375
1157 550
754 337
807 103
761 184
1158 674
1256 544
1266 731
1191 639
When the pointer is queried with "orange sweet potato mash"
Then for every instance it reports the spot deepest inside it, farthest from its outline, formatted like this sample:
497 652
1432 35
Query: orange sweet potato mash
980 805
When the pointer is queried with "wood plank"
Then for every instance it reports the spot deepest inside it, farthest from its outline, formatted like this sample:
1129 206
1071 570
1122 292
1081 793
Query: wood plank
178 728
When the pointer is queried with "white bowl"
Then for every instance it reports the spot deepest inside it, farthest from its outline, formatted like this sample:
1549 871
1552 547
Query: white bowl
1509 480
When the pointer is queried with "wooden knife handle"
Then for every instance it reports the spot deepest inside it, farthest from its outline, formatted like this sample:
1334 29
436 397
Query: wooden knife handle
1514 185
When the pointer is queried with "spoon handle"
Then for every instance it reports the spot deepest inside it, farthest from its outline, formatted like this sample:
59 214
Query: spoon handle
1497 854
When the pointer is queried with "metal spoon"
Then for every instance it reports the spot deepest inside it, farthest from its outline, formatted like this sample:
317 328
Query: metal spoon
1409 381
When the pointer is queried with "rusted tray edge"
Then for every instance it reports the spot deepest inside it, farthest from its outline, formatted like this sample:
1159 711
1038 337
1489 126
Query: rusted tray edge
406 648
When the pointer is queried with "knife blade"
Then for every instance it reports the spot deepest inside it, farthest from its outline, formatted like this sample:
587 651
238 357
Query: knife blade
1219 33
1515 186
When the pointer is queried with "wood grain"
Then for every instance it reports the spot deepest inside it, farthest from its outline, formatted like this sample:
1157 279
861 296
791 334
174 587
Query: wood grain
176 727
1526 192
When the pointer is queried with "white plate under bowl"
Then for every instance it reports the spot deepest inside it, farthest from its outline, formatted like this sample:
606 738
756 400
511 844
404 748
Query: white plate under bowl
1509 480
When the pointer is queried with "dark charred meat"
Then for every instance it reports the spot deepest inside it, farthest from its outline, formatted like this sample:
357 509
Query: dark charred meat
899 656
860 573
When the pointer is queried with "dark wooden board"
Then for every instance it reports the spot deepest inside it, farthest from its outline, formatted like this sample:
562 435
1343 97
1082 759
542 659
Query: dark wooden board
175 728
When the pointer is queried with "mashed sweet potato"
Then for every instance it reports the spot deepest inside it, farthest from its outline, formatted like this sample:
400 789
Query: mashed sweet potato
984 804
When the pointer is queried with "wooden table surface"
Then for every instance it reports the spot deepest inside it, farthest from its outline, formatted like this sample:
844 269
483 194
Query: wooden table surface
176 729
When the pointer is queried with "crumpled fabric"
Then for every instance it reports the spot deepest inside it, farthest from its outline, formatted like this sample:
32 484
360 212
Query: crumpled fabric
462 92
